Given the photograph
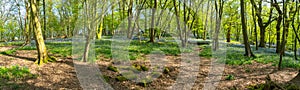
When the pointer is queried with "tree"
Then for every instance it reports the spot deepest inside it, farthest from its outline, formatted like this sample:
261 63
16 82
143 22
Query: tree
219 12
41 47
44 19
89 25
245 35
262 25
27 23
286 25
278 25
255 27
152 28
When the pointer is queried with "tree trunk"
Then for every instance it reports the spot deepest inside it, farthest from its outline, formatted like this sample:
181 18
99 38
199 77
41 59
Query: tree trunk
152 34
284 33
44 13
262 25
278 26
27 24
228 33
100 30
255 28
245 35
295 31
219 10
41 47
206 21
130 16
90 26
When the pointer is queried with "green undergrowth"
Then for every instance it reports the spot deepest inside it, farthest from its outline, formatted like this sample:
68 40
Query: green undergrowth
12 51
137 49
235 56
63 49
10 75
14 43
15 73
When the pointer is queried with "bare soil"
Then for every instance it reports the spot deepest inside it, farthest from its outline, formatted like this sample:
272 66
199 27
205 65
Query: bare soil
62 74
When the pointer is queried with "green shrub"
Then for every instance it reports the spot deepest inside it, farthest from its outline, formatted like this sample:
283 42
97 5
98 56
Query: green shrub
230 77
206 51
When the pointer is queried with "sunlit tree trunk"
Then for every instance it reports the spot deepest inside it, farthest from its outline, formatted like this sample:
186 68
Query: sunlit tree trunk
27 24
41 47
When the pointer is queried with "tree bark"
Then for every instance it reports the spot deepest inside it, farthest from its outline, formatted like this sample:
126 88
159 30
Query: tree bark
219 11
152 28
255 28
284 33
41 47
245 35
27 24
45 21
278 26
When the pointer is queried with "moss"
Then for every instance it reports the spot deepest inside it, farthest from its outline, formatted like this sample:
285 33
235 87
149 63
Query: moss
121 78
130 75
155 74
112 68
106 78
144 68
145 81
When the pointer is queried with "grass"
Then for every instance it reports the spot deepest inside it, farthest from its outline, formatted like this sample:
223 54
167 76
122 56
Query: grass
229 77
235 56
103 48
14 43
136 49
9 52
15 73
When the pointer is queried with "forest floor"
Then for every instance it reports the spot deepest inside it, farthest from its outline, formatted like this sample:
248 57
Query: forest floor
62 74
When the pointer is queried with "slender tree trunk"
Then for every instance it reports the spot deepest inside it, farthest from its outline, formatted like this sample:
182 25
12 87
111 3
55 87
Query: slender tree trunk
219 10
295 48
90 25
245 35
278 27
296 30
45 21
27 24
152 28
112 16
41 47
206 21
284 33
130 16
228 33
